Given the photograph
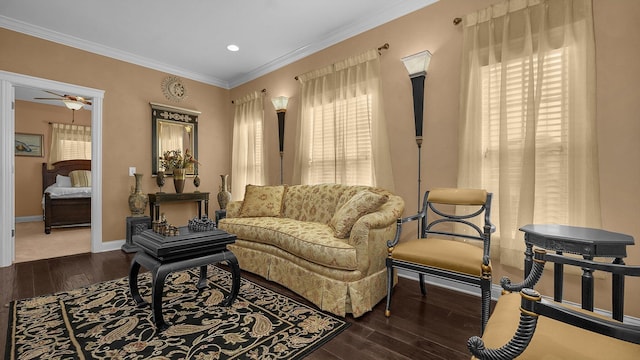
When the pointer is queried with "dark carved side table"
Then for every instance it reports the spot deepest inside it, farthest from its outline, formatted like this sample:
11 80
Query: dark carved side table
135 225
220 214
166 254
588 243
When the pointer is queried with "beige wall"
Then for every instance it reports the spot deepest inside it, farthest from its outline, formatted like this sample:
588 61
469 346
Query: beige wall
126 126
129 88
34 118
618 72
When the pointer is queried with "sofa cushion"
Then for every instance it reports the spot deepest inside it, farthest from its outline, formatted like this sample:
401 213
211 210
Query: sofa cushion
292 205
262 201
436 252
360 204
320 202
308 240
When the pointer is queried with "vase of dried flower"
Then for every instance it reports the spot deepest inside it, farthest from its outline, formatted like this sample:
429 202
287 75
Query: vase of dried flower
178 179
224 196
137 199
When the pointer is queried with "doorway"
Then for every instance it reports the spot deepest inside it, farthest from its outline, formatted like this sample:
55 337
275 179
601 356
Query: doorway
38 114
8 83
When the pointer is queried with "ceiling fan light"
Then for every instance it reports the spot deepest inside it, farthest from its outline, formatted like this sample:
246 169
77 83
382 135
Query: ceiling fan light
73 105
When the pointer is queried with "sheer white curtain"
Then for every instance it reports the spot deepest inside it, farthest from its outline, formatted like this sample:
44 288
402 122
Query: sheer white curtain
70 142
528 131
247 158
342 133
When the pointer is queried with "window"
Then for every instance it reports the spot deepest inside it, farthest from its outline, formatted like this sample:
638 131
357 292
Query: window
342 132
528 130
551 135
343 144
70 142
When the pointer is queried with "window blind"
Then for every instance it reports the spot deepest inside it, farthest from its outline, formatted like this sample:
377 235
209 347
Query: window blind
551 129
340 148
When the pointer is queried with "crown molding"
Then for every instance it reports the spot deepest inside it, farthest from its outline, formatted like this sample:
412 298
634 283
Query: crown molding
382 16
72 41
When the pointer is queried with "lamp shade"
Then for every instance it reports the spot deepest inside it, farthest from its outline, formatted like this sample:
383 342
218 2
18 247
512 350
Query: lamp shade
280 103
417 64
73 105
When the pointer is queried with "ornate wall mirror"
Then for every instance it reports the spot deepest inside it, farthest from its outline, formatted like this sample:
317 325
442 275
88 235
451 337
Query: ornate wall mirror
173 128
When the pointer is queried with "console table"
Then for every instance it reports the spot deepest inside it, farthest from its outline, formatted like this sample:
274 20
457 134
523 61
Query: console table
155 199
588 243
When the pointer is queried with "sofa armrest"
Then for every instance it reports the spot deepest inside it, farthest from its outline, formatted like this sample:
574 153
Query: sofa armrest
233 209
370 233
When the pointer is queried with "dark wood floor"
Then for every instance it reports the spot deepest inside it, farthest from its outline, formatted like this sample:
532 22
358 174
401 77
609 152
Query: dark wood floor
432 327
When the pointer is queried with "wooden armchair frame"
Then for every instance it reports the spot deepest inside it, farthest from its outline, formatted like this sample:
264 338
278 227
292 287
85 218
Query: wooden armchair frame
442 226
533 306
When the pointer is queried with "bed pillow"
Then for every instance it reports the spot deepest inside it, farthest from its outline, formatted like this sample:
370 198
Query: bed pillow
262 201
80 178
63 181
362 203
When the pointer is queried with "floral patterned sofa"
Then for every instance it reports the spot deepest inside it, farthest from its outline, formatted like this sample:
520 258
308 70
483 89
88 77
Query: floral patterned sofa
325 242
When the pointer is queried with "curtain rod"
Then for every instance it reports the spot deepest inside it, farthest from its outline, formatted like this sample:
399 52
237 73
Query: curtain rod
385 46
262 91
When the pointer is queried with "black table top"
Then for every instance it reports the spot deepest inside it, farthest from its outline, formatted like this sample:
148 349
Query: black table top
578 240
185 244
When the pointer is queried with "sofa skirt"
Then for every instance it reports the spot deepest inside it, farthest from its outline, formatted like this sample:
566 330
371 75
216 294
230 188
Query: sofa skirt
336 291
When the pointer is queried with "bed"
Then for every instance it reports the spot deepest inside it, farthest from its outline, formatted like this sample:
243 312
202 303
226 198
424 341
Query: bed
65 205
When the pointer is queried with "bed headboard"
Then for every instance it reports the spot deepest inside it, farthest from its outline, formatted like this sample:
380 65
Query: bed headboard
61 168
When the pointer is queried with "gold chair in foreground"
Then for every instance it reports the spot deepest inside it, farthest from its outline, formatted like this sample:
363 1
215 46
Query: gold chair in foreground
451 244
525 325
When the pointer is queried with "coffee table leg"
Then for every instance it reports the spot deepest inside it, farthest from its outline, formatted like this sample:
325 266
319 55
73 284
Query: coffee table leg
202 283
235 280
133 283
159 276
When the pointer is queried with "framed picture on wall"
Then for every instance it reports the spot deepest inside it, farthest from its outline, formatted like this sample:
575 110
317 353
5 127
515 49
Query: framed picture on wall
29 145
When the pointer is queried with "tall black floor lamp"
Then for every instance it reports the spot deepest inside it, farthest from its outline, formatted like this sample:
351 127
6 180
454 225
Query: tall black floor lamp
417 65
280 103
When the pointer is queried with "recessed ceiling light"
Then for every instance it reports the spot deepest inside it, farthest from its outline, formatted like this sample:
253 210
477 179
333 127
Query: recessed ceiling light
233 47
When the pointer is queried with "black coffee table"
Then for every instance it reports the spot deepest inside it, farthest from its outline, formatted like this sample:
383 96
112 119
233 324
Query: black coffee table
163 255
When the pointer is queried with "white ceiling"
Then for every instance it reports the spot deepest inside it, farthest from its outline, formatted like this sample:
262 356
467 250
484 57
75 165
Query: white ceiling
189 38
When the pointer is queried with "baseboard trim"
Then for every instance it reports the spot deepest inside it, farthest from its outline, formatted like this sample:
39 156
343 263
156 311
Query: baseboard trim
496 291
32 218
110 246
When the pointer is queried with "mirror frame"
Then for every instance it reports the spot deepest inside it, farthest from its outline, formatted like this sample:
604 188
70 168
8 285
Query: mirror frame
173 115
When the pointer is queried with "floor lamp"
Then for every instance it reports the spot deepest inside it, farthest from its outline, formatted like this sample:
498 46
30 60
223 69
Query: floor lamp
417 65
280 103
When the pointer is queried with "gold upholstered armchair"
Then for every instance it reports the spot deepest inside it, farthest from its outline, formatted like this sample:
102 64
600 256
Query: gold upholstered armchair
525 325
454 243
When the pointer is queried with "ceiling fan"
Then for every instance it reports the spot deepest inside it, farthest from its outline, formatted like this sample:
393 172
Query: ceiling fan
70 101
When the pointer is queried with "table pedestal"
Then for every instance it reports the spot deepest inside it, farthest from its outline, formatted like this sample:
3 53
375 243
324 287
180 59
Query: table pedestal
163 255
159 272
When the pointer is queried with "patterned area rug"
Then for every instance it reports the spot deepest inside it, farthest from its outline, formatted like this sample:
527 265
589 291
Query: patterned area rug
101 321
